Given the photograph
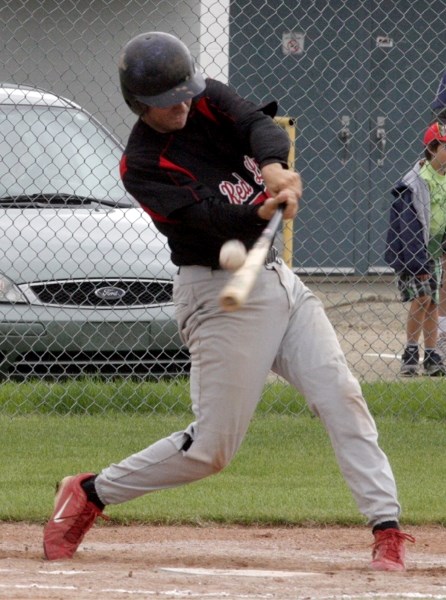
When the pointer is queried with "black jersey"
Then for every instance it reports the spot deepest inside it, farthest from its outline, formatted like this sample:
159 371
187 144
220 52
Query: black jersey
202 184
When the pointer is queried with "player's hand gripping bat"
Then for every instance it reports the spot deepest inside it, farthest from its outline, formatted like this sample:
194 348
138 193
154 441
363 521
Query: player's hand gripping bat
238 288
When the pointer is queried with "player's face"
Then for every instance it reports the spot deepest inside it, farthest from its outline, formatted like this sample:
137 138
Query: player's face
166 120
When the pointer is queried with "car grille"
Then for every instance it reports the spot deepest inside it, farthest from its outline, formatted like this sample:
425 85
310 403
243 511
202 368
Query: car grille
104 364
103 293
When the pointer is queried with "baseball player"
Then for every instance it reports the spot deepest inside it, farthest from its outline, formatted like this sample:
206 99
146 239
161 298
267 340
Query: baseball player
209 166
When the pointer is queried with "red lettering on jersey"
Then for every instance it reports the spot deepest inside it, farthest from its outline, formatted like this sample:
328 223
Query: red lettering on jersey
238 192
252 166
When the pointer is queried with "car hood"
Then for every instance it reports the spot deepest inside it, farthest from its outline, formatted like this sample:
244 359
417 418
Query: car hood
42 244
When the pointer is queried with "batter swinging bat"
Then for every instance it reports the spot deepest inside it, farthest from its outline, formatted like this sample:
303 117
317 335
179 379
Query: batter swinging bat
236 291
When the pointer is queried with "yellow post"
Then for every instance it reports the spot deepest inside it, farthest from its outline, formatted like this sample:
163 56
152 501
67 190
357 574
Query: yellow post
289 125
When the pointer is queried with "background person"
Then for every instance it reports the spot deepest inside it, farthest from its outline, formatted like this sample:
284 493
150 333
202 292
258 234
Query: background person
415 250
209 166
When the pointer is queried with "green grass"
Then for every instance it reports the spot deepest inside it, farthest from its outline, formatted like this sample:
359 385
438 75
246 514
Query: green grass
285 472
422 398
93 397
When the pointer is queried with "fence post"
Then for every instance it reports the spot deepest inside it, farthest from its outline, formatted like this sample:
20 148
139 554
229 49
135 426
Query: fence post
289 125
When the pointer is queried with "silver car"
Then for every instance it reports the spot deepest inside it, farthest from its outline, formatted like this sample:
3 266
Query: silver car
85 278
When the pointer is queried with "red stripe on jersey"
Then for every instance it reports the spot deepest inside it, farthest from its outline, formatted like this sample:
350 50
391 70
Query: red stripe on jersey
260 198
123 166
156 216
203 107
166 164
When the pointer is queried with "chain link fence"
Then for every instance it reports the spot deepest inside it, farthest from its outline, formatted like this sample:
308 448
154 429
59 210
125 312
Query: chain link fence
85 279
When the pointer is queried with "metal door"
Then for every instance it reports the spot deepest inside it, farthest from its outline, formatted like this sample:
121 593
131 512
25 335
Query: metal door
358 79
407 59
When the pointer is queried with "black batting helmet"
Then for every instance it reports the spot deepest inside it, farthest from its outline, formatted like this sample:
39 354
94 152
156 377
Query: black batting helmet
156 69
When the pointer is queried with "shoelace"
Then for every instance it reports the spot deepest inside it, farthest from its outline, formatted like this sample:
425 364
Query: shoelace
391 541
83 523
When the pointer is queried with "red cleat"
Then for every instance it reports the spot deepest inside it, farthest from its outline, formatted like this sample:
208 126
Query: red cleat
73 516
389 551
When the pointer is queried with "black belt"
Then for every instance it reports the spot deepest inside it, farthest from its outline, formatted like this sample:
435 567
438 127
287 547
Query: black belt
272 257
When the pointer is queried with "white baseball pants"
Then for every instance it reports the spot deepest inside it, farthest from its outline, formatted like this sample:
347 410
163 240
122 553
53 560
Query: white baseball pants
284 328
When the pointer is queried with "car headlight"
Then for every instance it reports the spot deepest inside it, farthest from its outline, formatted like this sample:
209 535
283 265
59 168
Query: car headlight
9 292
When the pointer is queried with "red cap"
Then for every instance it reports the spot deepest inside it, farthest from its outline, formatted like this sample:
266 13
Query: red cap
437 131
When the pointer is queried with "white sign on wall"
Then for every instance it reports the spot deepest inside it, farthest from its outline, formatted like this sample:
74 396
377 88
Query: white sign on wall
293 42
384 41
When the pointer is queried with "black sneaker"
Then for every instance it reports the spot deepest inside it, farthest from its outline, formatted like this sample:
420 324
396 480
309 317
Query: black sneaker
433 365
410 362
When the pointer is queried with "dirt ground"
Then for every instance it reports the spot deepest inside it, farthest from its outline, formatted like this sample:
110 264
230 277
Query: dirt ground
218 562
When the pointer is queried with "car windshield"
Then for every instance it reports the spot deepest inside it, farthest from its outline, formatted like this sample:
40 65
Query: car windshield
52 154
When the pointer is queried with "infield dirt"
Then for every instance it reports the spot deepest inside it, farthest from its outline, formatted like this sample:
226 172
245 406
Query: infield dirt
218 562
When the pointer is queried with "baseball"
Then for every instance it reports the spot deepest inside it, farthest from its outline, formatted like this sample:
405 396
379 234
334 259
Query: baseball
232 255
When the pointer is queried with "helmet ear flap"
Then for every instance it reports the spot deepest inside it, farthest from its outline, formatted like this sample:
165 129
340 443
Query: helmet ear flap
135 106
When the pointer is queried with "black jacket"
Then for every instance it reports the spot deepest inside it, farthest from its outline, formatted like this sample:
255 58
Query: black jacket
408 233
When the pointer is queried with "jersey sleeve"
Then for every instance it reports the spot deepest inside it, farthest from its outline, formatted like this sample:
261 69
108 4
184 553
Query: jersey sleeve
162 190
174 194
254 125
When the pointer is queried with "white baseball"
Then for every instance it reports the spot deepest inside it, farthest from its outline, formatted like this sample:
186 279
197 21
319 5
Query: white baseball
232 255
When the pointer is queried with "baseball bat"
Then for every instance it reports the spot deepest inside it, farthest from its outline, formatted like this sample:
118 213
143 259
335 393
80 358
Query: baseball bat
239 286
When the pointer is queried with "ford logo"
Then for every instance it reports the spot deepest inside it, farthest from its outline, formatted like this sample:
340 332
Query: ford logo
110 293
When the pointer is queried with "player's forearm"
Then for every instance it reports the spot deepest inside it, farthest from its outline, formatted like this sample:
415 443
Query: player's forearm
268 141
